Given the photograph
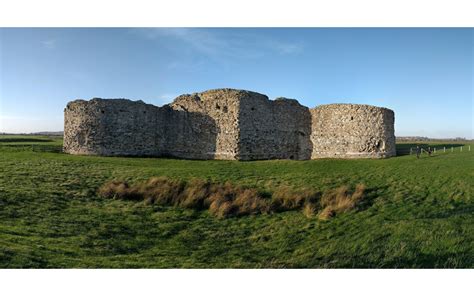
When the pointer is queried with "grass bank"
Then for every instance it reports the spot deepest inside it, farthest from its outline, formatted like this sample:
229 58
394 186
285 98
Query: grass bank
421 213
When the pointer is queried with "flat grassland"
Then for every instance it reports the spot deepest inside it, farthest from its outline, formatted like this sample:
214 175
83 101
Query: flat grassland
420 213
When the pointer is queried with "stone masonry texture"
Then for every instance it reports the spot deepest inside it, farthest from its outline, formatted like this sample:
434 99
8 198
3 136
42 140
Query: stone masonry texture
352 131
228 124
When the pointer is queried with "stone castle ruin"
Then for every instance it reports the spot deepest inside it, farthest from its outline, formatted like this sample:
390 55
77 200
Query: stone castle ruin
228 124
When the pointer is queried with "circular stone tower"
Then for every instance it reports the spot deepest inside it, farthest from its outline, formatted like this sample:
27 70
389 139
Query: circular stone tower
352 131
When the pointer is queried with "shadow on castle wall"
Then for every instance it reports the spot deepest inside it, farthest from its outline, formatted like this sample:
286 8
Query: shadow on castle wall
189 135
278 129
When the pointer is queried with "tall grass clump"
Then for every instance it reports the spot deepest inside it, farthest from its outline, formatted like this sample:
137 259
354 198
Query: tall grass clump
227 199
340 200
120 190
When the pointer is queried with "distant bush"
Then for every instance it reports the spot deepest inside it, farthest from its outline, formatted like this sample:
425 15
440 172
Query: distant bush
227 200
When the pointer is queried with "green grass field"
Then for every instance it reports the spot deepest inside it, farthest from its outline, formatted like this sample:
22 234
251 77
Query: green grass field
420 214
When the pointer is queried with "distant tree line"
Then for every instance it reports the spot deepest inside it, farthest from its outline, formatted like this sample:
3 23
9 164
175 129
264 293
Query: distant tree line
426 139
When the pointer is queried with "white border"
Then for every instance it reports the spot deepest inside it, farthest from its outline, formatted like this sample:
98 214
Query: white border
242 13
235 282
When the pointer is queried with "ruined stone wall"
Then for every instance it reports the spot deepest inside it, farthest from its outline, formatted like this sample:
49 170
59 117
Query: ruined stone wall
276 129
228 124
112 127
352 131
237 124
205 125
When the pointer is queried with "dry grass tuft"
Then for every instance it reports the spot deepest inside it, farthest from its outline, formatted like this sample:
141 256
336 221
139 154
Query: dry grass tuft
119 190
359 192
195 194
162 190
227 199
309 210
249 202
226 209
326 213
286 198
340 200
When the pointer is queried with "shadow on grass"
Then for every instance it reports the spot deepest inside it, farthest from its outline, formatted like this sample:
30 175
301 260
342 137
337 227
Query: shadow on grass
31 147
432 155
459 210
421 260
371 194
20 140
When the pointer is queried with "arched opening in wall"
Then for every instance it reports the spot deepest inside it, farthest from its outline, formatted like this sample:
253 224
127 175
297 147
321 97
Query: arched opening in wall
253 108
102 111
380 145
225 109
218 107
81 138
292 157
352 117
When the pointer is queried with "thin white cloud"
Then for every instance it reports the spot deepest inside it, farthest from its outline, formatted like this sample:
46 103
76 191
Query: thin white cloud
186 66
49 44
200 40
289 48
220 46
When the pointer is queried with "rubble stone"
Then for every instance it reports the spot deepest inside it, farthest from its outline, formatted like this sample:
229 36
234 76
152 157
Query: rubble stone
228 124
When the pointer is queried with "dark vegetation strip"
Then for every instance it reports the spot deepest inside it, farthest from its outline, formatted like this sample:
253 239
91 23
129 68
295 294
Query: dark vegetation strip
31 147
21 140
229 200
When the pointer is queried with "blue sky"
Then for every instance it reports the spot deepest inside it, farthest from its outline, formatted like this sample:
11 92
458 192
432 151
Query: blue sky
424 75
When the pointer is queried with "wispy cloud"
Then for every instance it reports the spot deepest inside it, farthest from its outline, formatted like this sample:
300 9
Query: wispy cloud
201 40
288 48
187 66
50 44
219 44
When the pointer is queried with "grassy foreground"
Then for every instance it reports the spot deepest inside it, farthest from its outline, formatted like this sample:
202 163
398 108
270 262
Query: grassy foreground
421 213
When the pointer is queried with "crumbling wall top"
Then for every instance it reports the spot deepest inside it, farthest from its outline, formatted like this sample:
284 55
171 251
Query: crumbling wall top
349 105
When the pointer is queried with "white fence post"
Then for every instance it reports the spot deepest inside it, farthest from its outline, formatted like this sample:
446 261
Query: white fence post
461 148
434 150
444 149
452 149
